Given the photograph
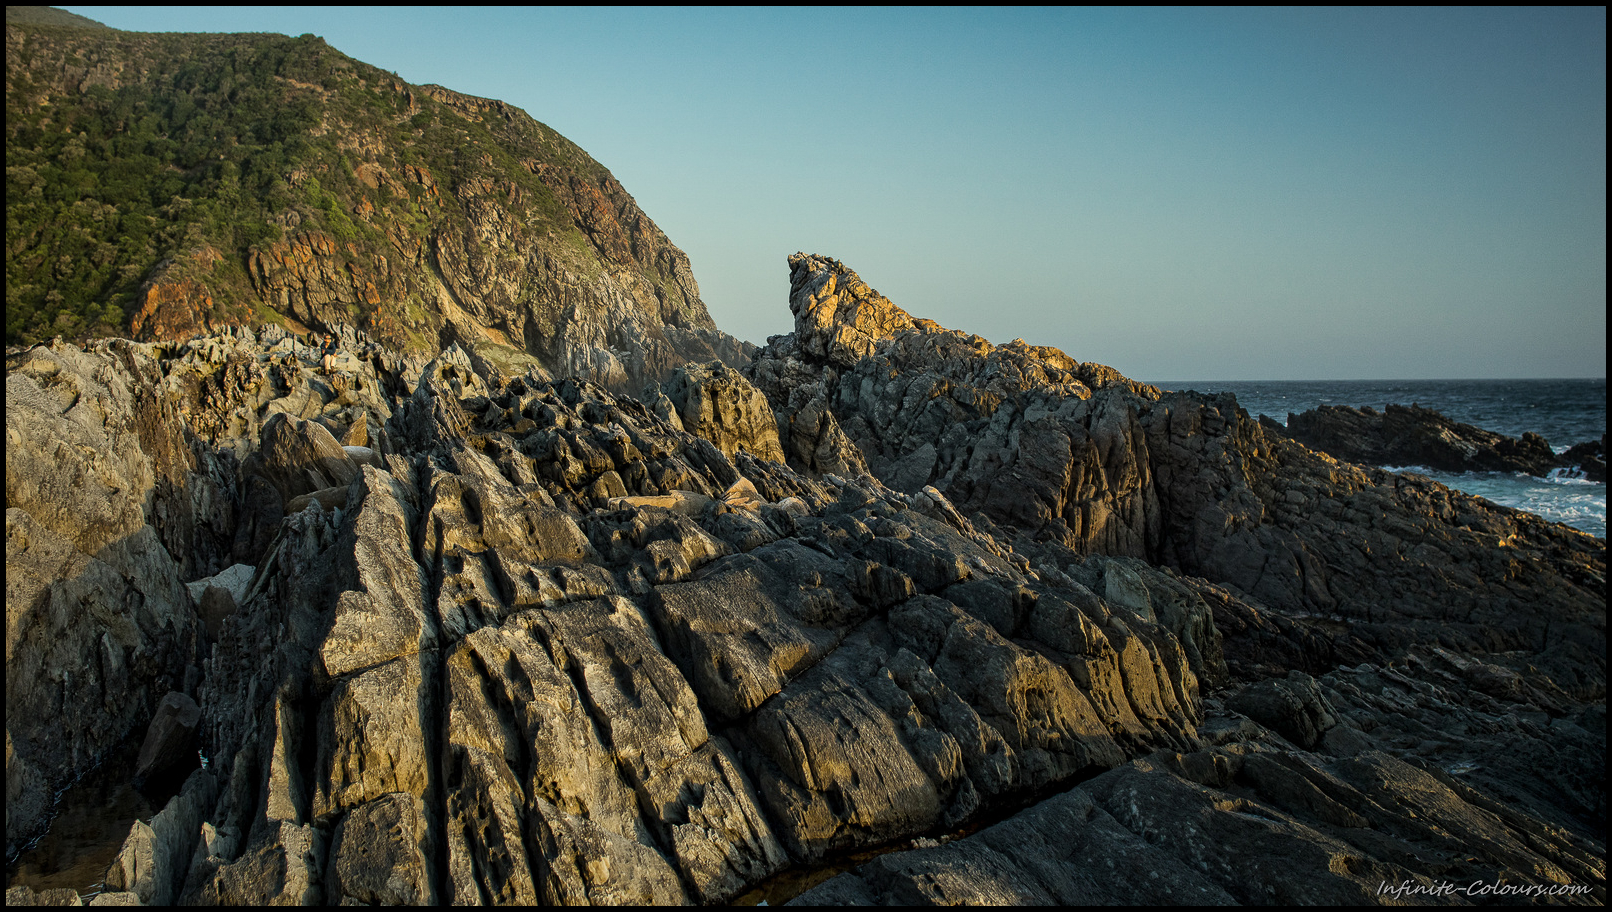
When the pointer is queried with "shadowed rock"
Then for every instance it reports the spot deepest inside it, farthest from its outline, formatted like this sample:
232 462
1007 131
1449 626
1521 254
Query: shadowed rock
171 738
1415 436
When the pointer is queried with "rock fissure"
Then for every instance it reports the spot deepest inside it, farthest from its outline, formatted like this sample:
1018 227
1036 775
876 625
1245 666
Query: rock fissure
534 641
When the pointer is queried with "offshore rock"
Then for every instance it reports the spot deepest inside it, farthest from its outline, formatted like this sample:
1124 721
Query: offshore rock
1414 436
1589 458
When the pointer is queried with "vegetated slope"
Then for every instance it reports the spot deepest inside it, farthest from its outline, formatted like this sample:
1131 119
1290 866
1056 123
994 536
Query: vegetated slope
49 15
162 184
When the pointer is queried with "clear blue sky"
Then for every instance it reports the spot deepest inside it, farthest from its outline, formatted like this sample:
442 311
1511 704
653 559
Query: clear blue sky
1181 194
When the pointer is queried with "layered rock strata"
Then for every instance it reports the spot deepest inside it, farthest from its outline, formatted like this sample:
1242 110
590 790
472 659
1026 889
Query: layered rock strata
518 640
532 642
1072 459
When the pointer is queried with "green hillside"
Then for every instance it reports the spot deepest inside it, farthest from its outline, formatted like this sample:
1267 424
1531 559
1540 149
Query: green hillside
158 184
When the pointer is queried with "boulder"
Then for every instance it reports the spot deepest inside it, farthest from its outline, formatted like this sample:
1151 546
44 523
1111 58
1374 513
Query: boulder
300 457
328 498
716 402
1294 708
171 738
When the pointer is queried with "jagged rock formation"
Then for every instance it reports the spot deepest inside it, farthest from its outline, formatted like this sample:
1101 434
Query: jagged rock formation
1416 436
1078 460
321 193
716 402
515 639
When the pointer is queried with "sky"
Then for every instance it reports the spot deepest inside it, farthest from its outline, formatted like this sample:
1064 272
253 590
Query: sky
1179 194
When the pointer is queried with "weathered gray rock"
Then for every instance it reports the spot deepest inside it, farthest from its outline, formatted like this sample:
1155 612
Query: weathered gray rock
380 612
171 737
375 854
89 650
1064 851
300 457
370 741
1230 825
1414 436
102 491
155 858
548 644
53 896
837 773
716 402
743 630
281 868
1295 708
510 699
215 605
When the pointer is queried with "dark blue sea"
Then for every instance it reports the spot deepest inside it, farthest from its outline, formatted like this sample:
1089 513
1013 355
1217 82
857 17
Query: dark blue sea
1564 412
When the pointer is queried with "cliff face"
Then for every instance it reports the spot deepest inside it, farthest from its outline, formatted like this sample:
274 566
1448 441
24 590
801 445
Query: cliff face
162 185
462 637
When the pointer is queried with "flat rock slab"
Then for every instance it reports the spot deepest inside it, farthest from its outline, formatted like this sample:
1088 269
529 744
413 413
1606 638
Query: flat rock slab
1064 851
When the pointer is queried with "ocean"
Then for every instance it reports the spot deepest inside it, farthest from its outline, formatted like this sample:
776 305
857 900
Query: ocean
1564 412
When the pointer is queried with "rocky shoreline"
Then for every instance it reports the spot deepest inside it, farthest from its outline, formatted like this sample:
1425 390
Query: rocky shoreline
520 639
1416 436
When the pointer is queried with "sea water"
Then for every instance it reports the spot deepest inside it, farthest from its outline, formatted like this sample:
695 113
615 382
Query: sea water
1564 412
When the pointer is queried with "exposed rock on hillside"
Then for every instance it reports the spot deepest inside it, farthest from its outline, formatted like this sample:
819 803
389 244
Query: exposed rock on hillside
289 181
514 639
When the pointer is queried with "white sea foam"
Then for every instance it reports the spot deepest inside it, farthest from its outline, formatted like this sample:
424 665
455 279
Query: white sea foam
1570 476
1578 502
1411 469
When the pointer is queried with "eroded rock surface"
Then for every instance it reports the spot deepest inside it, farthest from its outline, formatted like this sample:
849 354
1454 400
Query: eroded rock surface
469 638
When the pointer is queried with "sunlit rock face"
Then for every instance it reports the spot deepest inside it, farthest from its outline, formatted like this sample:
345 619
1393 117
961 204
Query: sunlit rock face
515 639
